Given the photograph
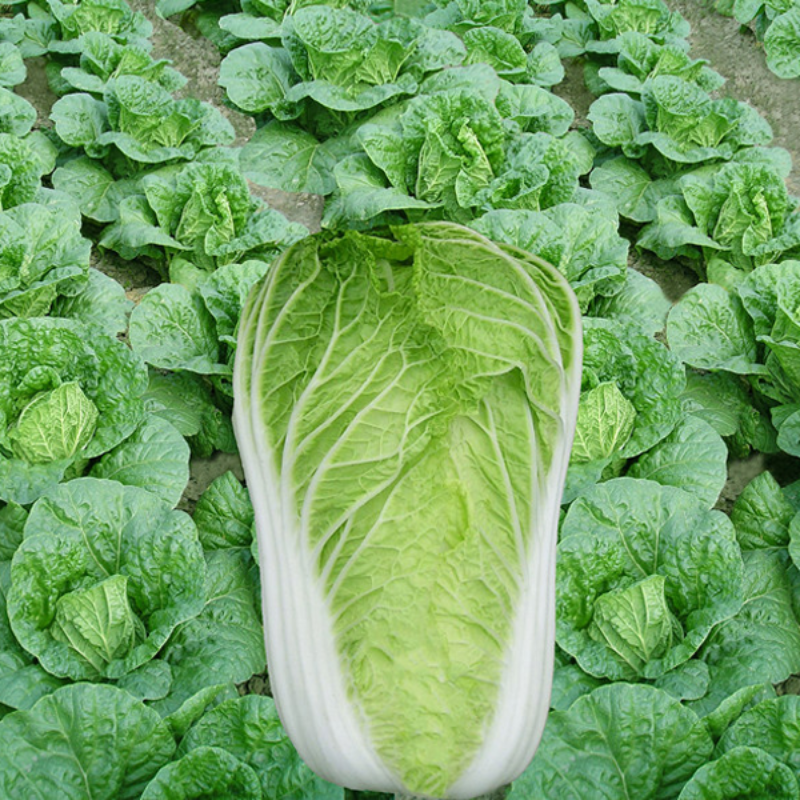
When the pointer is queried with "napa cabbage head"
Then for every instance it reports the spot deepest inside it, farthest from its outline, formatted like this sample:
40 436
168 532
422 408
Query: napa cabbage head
404 408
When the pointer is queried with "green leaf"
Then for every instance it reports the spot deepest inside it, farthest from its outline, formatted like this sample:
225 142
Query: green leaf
94 188
224 515
626 740
78 536
172 329
627 529
80 119
762 515
256 77
84 740
225 642
154 457
742 772
100 304
249 729
692 457
285 157
204 772
710 329
774 726
17 115
782 44
762 641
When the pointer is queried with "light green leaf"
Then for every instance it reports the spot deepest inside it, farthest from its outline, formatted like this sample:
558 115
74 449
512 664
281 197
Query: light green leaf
55 425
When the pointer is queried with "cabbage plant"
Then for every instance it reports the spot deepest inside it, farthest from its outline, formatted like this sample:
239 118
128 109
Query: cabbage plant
404 410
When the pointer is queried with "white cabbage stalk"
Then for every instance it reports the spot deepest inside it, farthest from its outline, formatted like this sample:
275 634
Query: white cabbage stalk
405 411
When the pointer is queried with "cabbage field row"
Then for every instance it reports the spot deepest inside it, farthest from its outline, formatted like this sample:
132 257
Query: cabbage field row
132 661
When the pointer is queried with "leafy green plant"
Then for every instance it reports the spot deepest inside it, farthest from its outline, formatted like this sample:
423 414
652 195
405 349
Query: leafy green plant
437 368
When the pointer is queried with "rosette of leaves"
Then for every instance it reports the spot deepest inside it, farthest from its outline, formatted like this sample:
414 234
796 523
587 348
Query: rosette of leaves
630 400
738 212
676 122
42 253
112 17
203 211
583 243
644 573
640 58
141 121
23 162
102 58
777 24
130 570
752 330
335 64
68 393
453 150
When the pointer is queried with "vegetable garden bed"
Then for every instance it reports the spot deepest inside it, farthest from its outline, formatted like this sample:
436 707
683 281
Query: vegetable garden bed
139 207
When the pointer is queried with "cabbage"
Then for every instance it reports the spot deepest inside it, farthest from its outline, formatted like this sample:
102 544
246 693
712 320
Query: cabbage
404 410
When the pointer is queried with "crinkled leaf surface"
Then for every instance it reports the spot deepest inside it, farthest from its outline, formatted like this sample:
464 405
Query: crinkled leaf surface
619 741
617 537
84 740
249 729
84 533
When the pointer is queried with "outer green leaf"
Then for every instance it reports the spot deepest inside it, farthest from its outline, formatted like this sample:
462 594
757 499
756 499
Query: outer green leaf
772 725
96 191
640 301
100 304
709 329
225 642
742 772
83 741
619 741
204 772
692 457
224 515
256 77
782 44
17 115
762 642
171 329
762 514
249 729
286 157
154 457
